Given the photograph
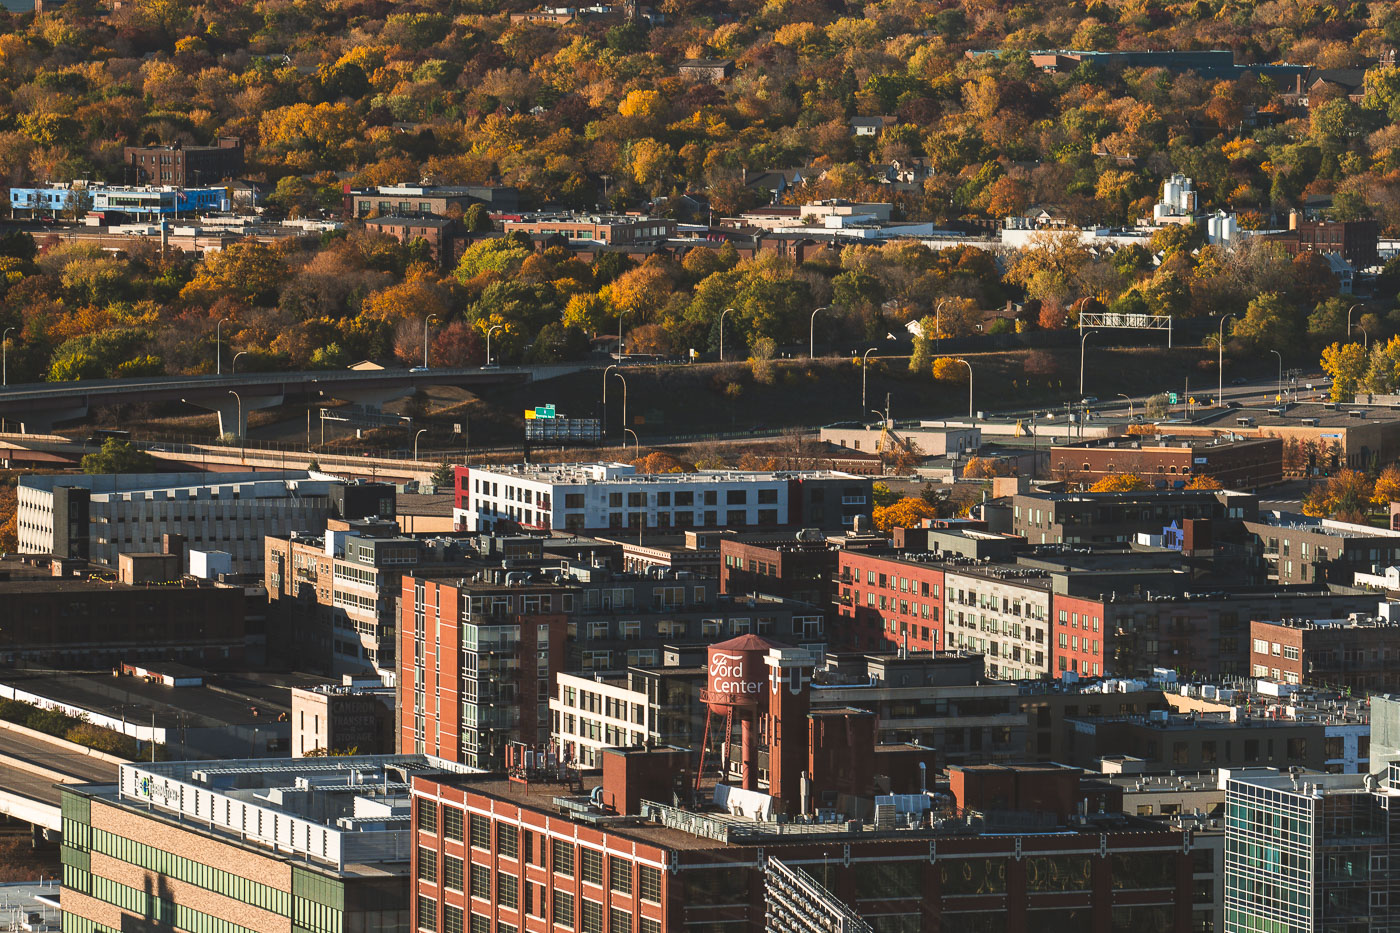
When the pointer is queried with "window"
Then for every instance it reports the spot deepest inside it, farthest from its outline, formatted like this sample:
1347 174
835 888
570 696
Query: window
481 831
427 865
452 824
563 854
651 926
592 868
427 913
592 916
507 841
649 883
452 872
620 875
563 908
507 890
451 919
427 816
481 882
619 920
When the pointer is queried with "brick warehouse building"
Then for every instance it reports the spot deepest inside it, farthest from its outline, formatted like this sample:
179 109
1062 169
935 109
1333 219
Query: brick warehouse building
525 855
1358 653
1168 461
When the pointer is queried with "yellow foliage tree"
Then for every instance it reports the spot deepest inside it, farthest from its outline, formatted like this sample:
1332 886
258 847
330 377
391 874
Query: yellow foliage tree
1345 495
948 369
985 468
1121 482
1202 481
903 513
1387 489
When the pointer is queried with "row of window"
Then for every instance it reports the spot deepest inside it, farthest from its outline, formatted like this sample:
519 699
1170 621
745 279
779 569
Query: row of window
192 872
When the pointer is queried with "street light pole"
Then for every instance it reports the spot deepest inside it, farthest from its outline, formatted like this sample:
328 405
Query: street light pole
1082 340
636 444
721 332
969 384
864 368
489 331
1130 405
5 356
239 425
218 347
1280 374
621 344
235 359
938 322
1220 363
426 321
624 399
421 432
812 334
1349 310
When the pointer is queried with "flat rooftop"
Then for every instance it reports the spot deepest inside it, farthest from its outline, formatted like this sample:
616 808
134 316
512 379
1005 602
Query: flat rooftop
223 700
591 473
351 814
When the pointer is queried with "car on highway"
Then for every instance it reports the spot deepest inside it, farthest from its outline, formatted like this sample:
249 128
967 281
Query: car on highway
1238 381
1089 400
420 369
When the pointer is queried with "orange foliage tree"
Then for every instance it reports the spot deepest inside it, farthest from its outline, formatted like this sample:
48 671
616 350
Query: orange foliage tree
903 513
1121 482
1202 481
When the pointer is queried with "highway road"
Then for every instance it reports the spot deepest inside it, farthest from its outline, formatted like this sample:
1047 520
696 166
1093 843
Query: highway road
18 746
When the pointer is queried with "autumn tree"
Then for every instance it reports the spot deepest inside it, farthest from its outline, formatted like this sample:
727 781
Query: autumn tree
1387 487
1345 496
1120 482
985 468
1346 364
907 512
1202 481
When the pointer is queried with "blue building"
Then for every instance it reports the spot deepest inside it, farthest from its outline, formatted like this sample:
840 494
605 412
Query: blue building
127 201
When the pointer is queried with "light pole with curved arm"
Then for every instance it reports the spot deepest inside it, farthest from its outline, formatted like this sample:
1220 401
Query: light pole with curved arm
1280 374
938 321
235 359
621 344
426 321
1349 310
1082 340
864 368
218 347
1220 362
239 424
624 399
420 433
1130 405
5 356
489 331
721 332
812 334
636 444
969 383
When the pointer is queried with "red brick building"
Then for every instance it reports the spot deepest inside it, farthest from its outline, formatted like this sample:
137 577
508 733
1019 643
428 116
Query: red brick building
1361 654
888 600
785 566
525 855
1078 641
1172 462
476 665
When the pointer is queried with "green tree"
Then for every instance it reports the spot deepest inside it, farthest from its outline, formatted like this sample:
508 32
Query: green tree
443 475
921 360
1269 323
118 456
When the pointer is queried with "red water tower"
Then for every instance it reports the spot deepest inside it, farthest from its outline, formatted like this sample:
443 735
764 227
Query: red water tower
737 689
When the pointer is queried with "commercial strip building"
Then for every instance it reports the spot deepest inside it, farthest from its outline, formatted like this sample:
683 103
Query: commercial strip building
617 230
99 517
428 200
352 717
582 497
243 846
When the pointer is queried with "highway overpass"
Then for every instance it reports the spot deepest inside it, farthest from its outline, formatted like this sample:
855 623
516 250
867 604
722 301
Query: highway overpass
39 406
32 764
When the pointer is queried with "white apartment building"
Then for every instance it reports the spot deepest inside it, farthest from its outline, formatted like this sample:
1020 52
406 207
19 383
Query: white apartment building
602 496
99 517
1003 613
591 712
